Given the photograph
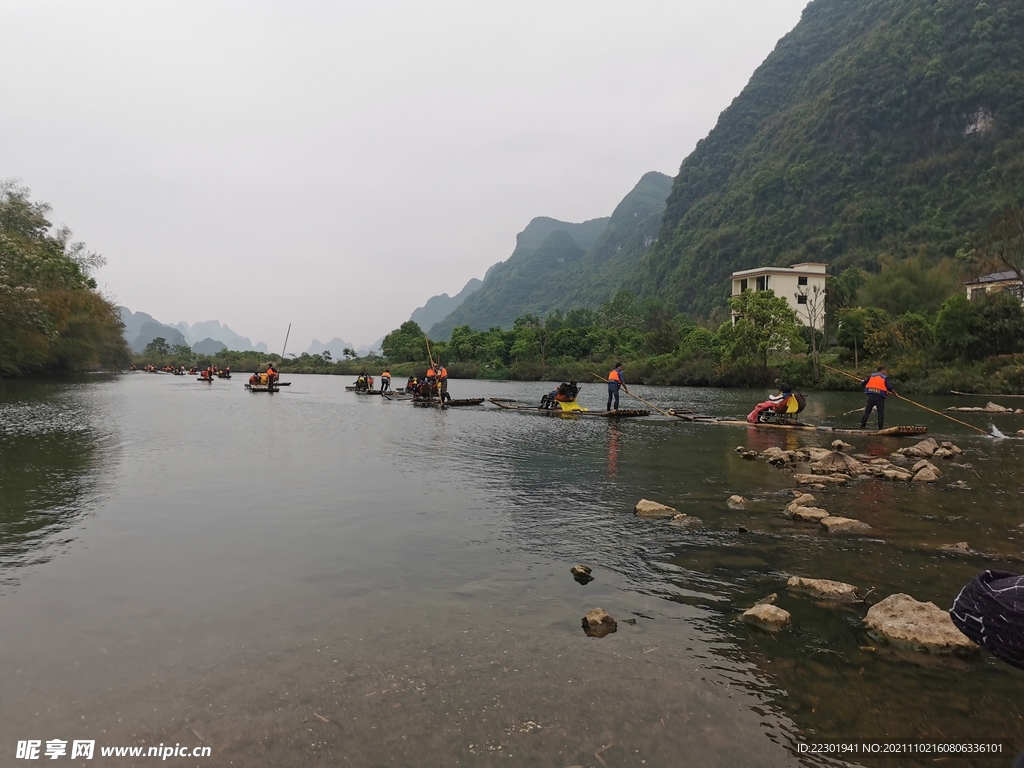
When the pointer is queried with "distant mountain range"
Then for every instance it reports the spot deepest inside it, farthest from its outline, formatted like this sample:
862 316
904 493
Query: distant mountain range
337 346
439 307
876 129
560 265
141 328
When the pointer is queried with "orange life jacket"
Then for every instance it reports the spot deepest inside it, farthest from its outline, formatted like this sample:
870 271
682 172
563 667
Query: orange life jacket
386 376
430 373
442 372
615 376
876 384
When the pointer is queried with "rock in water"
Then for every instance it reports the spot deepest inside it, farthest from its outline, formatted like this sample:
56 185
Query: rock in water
768 600
903 621
803 500
823 589
838 445
924 449
768 617
925 464
837 462
737 502
581 573
645 508
810 514
844 525
597 623
817 454
834 479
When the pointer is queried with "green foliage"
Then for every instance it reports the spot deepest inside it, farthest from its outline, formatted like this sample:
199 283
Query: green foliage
873 128
765 323
910 285
405 344
52 319
561 266
987 326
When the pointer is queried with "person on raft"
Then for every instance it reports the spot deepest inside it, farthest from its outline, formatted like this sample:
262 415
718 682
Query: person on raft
442 380
412 384
385 381
564 393
271 374
616 381
876 387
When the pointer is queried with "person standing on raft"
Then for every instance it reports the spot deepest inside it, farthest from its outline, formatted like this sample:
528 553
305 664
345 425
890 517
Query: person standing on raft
615 382
385 381
876 387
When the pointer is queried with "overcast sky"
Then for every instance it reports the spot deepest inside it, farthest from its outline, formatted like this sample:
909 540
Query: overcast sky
334 164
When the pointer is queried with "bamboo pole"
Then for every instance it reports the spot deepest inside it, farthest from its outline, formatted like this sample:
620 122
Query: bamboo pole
923 407
636 397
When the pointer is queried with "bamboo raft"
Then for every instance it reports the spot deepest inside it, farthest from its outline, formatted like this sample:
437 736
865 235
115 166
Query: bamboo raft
262 388
975 394
515 405
901 431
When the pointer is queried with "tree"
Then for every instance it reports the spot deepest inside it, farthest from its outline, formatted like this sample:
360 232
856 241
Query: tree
972 330
158 347
326 355
1005 241
815 303
405 344
765 323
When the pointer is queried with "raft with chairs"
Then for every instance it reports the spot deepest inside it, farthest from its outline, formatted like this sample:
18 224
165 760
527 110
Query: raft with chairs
262 387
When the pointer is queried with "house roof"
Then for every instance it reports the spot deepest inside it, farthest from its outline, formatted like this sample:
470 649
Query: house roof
995 277
794 270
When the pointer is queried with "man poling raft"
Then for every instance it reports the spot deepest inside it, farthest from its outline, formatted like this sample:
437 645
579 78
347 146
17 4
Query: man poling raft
385 381
876 387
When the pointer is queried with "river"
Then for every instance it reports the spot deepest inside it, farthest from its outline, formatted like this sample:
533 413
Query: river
319 578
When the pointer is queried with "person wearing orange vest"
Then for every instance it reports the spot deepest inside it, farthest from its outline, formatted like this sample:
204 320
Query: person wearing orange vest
271 374
442 377
876 387
385 381
616 381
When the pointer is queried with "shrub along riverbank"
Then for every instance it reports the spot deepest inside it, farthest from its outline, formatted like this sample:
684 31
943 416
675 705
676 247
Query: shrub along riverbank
52 318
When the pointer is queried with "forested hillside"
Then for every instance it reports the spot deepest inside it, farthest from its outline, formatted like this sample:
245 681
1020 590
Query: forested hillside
52 318
875 127
561 266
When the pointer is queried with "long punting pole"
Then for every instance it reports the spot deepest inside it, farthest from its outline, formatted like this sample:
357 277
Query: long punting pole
923 407
286 341
636 397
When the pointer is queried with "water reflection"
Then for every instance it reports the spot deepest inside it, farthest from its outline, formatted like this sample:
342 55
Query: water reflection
49 463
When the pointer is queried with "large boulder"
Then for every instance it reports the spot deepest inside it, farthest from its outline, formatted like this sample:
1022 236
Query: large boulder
817 454
836 524
768 617
896 473
927 476
737 502
809 514
925 464
803 500
823 589
597 623
833 479
652 509
903 621
923 449
837 462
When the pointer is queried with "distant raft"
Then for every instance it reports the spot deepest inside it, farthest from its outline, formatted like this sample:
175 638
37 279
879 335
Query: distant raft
262 388
990 611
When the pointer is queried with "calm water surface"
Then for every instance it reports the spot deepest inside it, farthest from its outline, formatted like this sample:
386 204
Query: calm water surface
317 578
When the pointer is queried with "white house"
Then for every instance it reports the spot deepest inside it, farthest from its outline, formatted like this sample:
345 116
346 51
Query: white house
997 281
795 284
